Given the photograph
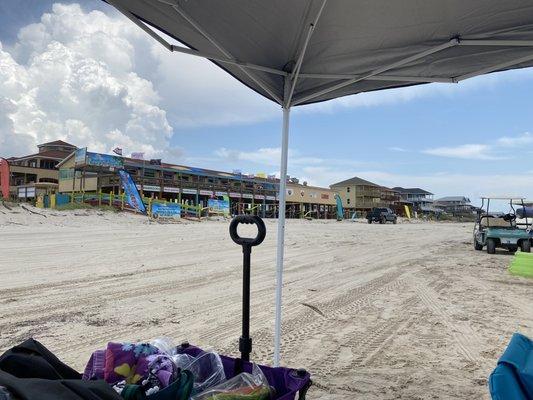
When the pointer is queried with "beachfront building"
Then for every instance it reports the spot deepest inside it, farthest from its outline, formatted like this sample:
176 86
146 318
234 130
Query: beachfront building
360 195
38 169
256 194
455 205
419 199
310 201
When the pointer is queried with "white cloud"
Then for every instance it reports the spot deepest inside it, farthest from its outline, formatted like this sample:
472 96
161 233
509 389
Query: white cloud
98 80
397 149
515 141
499 149
268 156
71 76
465 151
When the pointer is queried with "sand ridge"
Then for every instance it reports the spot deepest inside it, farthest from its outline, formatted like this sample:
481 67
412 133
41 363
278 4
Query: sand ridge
373 311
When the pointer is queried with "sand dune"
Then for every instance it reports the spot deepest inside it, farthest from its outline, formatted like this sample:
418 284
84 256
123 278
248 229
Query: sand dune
373 311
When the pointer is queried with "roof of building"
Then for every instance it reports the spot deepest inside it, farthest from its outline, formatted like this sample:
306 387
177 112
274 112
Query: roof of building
388 189
355 181
128 161
54 154
411 190
453 198
56 143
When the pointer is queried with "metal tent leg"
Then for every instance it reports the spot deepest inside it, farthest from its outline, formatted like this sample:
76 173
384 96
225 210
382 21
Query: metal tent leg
281 232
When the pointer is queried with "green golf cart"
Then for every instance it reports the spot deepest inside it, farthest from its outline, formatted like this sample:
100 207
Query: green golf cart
501 230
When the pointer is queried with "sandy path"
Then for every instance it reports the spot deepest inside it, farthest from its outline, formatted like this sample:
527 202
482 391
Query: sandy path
375 312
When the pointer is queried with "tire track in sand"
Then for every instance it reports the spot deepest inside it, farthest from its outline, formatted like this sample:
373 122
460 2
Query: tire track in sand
464 336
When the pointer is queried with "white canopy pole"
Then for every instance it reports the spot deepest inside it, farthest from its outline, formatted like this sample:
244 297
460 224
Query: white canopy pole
281 231
288 89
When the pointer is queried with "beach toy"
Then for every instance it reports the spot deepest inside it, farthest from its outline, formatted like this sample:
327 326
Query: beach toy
522 265
512 379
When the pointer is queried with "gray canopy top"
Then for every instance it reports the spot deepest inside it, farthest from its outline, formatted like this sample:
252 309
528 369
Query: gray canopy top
346 46
298 52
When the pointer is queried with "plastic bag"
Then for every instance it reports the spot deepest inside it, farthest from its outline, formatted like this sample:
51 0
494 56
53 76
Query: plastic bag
207 369
244 386
165 345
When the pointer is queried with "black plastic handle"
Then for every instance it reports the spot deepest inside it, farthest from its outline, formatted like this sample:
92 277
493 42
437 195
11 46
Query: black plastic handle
247 219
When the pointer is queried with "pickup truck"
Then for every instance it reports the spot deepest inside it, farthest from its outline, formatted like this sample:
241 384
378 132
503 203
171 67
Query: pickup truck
381 215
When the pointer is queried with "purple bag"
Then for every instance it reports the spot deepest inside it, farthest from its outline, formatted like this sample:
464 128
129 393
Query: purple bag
290 384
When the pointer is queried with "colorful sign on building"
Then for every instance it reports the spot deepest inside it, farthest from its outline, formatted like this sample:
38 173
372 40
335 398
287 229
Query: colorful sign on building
219 206
149 188
80 157
104 160
4 178
84 158
170 210
189 191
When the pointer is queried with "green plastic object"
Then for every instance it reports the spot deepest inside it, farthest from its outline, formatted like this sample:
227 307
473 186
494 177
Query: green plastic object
522 265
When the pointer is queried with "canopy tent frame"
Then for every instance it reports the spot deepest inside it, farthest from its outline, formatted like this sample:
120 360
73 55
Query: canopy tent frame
288 100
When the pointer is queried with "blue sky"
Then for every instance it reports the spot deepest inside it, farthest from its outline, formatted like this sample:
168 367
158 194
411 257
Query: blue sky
466 139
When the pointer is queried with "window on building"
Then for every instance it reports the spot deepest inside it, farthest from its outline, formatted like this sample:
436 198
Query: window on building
149 173
48 164
168 176
348 189
49 180
65 174
348 201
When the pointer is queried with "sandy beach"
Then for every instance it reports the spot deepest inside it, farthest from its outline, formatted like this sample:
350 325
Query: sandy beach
407 311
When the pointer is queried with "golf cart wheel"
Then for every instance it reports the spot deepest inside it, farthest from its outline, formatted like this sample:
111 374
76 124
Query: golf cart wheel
491 246
369 221
525 246
478 246
394 221
512 249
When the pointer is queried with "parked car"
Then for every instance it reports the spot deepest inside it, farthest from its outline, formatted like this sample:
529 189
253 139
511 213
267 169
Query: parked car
381 215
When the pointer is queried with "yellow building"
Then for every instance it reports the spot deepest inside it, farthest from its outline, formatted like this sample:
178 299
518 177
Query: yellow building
84 181
310 201
361 195
39 167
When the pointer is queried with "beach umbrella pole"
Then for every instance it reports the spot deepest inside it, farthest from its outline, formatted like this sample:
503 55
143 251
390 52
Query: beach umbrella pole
281 232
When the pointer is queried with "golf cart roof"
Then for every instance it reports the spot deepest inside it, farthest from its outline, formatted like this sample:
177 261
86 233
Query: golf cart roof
502 198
